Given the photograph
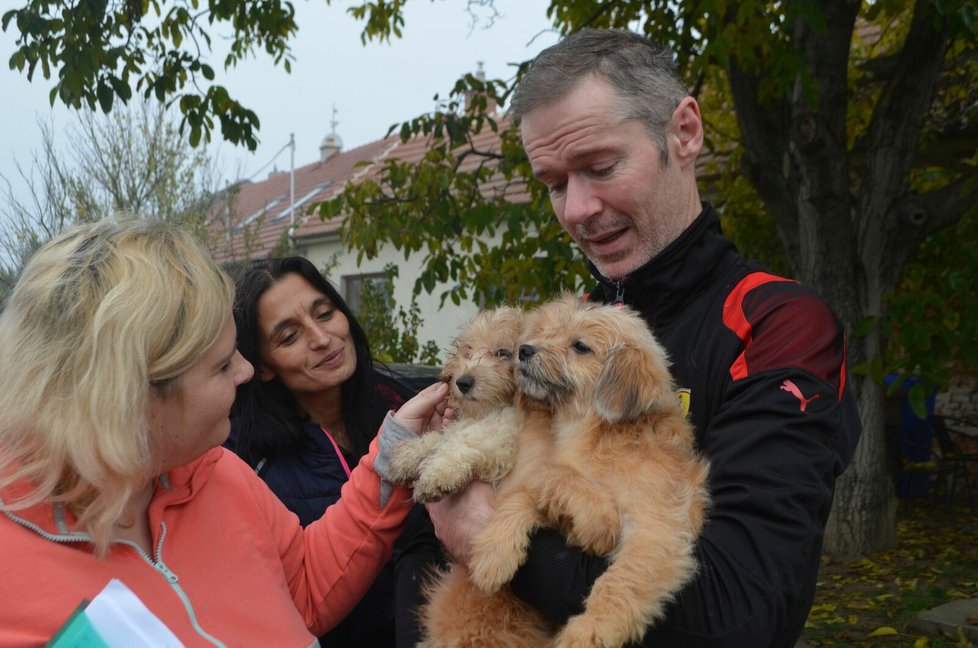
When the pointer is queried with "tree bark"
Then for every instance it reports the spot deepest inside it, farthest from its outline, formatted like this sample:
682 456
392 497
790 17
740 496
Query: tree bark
863 516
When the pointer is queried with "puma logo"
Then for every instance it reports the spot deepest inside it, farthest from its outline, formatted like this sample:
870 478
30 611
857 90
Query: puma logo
792 388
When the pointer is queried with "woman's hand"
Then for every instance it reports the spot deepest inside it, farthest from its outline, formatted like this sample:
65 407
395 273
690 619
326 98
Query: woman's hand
428 410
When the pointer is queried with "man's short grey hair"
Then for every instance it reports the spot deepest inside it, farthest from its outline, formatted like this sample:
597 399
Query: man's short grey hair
643 73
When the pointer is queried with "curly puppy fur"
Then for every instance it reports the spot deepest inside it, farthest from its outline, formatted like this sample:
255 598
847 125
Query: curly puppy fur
481 443
607 457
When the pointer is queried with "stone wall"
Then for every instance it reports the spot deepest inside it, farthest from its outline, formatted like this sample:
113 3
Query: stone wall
960 399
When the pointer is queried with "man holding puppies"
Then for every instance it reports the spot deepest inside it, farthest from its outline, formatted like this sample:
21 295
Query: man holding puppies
611 130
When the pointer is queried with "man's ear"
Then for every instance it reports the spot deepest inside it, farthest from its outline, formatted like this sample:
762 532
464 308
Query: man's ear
687 128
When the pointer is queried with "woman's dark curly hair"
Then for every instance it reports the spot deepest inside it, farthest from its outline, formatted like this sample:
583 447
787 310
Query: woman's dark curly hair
265 418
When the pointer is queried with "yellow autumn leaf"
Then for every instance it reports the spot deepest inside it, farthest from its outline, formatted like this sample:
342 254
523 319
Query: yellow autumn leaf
922 642
884 631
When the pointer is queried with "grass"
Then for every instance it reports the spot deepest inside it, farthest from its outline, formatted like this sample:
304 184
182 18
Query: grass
873 601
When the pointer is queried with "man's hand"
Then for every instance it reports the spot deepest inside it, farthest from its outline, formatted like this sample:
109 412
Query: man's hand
457 518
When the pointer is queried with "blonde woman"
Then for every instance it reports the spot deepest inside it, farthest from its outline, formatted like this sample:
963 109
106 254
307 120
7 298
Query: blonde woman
120 371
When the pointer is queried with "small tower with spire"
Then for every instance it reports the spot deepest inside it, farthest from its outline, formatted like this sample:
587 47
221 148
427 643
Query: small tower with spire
480 75
332 143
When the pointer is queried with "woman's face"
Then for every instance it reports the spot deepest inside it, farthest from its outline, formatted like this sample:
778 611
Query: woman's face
191 417
304 340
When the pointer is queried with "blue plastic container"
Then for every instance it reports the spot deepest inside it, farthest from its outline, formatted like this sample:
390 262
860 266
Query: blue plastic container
916 440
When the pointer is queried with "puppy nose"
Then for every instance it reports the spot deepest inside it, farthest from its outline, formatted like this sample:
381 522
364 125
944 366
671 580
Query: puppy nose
465 383
526 352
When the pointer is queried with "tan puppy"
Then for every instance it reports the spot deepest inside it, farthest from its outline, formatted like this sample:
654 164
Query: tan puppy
481 443
607 457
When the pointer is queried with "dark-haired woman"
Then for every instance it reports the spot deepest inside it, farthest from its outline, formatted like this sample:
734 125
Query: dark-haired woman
309 415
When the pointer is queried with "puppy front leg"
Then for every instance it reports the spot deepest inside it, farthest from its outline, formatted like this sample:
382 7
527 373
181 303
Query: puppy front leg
480 449
651 565
500 548
593 513
407 457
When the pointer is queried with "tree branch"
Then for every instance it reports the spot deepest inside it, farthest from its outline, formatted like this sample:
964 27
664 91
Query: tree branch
763 130
894 130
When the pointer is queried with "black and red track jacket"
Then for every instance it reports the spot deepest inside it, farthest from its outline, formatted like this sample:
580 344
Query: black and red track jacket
763 359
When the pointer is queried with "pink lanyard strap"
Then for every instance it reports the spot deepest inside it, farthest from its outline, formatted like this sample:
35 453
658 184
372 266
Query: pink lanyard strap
336 447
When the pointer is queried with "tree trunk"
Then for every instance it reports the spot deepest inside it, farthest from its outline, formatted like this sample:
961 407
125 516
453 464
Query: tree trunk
864 510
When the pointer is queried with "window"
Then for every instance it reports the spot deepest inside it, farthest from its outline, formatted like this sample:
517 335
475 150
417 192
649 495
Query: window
261 212
303 200
373 291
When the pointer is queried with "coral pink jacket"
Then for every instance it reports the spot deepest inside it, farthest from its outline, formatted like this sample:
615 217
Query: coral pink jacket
231 565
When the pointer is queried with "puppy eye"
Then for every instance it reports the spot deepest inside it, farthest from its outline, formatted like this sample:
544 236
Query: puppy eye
580 348
505 354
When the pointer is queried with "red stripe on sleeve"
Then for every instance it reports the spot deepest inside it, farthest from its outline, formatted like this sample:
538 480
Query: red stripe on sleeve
735 319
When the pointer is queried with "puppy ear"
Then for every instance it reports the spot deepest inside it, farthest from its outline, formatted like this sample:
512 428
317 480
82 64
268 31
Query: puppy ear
631 384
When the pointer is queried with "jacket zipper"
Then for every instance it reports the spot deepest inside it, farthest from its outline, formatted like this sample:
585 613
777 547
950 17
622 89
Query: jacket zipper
619 293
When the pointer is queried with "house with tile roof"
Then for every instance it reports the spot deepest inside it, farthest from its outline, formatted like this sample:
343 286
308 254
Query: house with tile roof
271 217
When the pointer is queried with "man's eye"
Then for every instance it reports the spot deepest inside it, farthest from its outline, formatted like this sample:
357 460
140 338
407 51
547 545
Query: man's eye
557 188
580 348
602 171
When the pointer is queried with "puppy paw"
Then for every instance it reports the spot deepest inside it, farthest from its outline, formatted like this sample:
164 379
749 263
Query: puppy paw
440 478
431 490
489 573
582 632
494 563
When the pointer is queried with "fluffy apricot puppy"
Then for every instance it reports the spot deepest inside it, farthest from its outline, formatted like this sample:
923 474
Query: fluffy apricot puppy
481 443
607 457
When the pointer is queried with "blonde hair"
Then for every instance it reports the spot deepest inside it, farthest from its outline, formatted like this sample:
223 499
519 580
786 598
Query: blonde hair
101 314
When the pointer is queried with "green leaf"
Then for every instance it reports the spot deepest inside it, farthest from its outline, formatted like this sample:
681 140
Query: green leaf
105 96
121 88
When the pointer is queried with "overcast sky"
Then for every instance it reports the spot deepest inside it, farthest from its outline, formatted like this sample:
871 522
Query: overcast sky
372 86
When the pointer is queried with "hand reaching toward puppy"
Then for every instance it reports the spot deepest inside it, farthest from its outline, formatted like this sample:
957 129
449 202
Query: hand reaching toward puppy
428 410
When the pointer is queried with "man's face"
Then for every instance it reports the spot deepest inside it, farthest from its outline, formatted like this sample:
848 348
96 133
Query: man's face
611 190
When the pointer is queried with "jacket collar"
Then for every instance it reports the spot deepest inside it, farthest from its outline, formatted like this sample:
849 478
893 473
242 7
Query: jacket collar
172 487
662 287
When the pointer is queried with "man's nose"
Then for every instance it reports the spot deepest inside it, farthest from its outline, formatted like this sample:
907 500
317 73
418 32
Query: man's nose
580 202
